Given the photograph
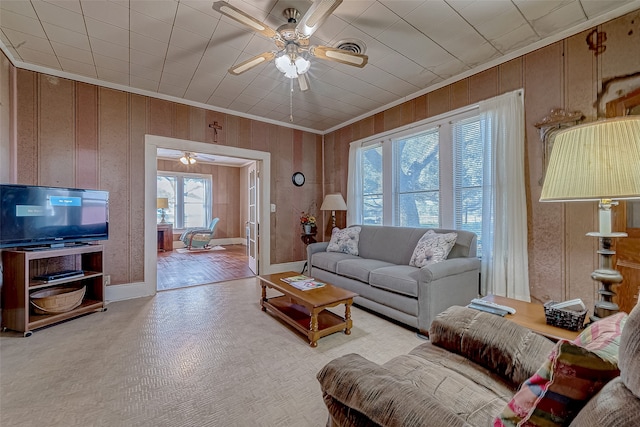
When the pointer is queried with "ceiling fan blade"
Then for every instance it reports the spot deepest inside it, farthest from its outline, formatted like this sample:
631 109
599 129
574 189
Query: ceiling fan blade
303 82
315 16
339 55
239 16
251 62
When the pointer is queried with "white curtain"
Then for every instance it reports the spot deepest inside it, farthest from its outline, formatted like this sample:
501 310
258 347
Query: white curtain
504 269
354 185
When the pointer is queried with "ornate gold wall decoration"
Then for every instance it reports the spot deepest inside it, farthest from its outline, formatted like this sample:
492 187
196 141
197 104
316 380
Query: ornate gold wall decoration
595 41
549 126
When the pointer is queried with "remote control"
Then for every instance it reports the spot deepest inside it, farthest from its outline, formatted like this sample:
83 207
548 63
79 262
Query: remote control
486 303
488 309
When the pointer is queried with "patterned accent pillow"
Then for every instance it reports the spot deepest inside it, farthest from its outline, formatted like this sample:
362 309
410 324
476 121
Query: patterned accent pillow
568 379
603 336
432 247
345 240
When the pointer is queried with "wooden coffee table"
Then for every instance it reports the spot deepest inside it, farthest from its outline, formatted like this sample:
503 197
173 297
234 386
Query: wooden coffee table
306 310
531 316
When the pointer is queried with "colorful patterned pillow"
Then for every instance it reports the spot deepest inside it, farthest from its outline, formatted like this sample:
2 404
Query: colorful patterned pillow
432 247
574 372
345 240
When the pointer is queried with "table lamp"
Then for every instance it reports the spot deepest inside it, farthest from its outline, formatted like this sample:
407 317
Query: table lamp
597 161
162 203
333 202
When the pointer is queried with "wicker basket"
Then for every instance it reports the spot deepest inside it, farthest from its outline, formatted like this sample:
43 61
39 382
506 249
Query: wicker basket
562 318
59 299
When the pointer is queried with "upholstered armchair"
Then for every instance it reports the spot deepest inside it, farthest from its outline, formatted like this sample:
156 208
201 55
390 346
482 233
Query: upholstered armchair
198 238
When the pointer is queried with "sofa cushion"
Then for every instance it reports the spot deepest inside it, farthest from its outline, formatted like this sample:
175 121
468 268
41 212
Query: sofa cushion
402 393
506 348
568 379
396 278
329 260
359 268
432 247
345 240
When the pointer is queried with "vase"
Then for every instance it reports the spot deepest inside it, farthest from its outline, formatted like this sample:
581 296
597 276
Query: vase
307 228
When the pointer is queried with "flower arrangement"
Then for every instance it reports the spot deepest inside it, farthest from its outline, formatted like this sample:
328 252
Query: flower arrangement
307 219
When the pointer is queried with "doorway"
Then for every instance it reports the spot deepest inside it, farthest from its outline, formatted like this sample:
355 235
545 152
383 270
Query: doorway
152 143
193 194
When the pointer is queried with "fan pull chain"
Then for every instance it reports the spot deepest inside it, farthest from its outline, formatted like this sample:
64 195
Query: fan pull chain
291 101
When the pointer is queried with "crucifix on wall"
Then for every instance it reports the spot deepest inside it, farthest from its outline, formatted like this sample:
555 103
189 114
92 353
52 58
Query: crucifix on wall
216 127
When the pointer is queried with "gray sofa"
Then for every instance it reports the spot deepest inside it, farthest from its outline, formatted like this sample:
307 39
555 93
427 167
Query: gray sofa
388 285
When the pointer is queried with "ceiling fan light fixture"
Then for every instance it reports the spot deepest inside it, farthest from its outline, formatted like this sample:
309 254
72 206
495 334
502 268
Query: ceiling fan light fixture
302 65
187 159
292 68
284 65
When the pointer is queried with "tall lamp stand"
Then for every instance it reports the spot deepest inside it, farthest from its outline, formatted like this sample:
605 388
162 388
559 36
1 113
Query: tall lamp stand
597 161
606 274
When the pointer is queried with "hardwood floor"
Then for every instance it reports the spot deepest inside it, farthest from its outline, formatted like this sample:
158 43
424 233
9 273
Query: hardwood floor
179 270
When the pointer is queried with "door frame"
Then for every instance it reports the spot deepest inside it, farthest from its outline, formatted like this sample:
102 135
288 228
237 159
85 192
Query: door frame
627 291
152 143
253 224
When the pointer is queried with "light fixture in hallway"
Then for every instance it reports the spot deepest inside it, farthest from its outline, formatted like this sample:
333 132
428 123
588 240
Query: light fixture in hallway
187 159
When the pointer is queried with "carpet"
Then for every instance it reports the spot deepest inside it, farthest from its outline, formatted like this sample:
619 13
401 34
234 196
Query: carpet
194 250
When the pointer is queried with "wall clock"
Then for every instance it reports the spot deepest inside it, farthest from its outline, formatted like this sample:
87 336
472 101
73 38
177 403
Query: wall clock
298 179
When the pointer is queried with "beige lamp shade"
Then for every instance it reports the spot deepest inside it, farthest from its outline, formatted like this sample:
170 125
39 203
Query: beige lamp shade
333 202
594 161
162 203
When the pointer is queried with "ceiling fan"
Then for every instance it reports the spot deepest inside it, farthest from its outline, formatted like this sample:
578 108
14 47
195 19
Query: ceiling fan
292 41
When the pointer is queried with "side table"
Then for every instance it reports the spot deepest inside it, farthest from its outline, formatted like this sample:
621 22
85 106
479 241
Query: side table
307 239
531 316
165 237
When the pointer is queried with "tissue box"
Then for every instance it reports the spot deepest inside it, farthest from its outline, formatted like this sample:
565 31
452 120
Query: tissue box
563 317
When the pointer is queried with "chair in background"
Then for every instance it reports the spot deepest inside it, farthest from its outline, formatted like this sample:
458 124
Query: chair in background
198 238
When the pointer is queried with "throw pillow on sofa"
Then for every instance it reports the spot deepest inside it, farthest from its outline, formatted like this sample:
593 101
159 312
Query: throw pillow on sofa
574 372
345 240
432 247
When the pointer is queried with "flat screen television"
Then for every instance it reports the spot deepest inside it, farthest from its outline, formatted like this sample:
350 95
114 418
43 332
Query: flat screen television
34 216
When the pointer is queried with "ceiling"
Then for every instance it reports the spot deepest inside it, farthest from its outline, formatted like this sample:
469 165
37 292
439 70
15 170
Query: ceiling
181 49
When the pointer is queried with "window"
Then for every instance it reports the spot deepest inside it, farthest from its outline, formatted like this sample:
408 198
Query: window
372 185
468 172
189 198
417 179
434 176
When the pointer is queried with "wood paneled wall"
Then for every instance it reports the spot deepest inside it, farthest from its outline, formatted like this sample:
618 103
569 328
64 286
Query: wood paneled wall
566 74
81 135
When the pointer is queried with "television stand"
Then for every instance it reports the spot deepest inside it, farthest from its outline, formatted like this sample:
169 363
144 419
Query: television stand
22 268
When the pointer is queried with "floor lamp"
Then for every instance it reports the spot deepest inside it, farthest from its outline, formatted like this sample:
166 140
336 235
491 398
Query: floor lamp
333 202
598 161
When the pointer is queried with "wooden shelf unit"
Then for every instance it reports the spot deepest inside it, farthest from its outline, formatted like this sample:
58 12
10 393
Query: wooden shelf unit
20 266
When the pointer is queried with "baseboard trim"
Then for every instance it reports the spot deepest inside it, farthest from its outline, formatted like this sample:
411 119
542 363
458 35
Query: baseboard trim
177 244
127 291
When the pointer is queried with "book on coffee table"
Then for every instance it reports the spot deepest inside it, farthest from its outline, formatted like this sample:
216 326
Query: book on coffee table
298 278
302 282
